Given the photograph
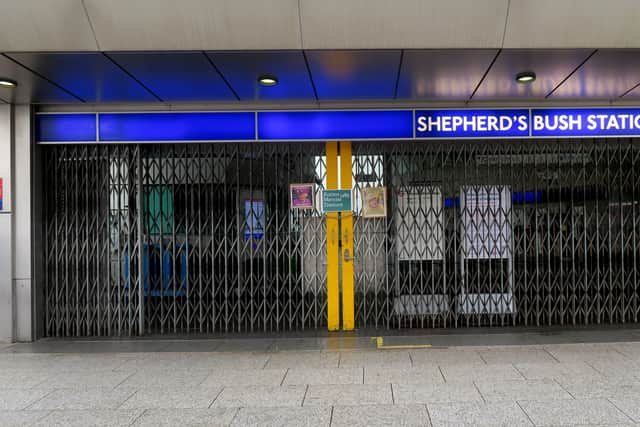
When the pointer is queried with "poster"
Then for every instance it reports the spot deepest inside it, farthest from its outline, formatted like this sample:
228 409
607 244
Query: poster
301 196
374 202
255 219
419 218
1 204
486 219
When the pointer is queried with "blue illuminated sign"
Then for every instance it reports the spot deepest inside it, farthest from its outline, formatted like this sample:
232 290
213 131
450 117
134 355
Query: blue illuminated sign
323 125
472 123
336 125
585 122
177 126
65 127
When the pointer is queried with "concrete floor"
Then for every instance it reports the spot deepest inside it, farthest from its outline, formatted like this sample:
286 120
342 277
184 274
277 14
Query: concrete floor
558 377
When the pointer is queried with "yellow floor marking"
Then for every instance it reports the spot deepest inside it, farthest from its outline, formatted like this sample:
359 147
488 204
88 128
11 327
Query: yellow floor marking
380 344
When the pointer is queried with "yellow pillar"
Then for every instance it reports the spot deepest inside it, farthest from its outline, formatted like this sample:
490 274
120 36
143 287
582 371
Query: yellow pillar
348 321
333 287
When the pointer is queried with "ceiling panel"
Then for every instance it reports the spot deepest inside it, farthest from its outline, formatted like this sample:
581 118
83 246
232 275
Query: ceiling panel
550 66
91 76
442 74
45 25
573 24
31 88
360 74
242 69
176 77
195 24
384 24
608 74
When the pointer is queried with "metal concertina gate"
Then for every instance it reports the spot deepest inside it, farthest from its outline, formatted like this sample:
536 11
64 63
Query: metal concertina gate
200 238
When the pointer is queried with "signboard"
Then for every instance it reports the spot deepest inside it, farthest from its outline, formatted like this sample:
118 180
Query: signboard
374 202
301 196
57 128
1 196
419 221
336 200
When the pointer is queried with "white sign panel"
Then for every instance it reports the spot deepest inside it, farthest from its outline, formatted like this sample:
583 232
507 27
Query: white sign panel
486 222
420 224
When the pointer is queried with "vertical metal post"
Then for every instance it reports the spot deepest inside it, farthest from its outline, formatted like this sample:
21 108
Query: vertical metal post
140 210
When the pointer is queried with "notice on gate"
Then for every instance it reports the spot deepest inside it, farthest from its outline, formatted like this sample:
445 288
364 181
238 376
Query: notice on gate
486 219
1 196
336 200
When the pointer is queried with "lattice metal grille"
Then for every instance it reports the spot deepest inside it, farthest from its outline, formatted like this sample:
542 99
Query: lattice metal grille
182 238
498 233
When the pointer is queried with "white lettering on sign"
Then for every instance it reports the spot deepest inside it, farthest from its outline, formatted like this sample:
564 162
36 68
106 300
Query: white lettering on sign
478 123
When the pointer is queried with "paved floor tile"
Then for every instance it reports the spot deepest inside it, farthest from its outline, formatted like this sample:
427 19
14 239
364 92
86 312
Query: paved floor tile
630 406
454 373
261 396
170 397
539 371
21 378
405 394
477 413
516 355
79 399
17 399
380 415
383 358
303 360
573 412
468 356
351 394
85 379
20 418
493 391
616 369
251 344
287 416
166 378
216 417
88 418
420 375
242 377
586 353
311 376
601 388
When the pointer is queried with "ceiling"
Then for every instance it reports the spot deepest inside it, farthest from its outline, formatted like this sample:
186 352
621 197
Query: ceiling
322 77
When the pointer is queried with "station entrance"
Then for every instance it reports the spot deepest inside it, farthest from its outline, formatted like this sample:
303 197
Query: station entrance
203 238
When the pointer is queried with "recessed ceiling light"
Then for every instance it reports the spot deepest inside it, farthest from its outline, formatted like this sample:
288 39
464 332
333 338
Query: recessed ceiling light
526 77
268 80
7 82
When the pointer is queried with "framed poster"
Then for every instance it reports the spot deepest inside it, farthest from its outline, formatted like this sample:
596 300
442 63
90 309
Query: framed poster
301 196
374 202
255 219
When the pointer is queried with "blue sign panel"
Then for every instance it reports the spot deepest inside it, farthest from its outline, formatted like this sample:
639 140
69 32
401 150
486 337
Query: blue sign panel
585 122
177 127
472 123
323 125
65 127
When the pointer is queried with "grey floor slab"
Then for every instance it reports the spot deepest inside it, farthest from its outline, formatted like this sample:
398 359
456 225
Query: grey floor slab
244 377
81 399
170 397
436 356
616 369
286 416
261 396
350 394
21 378
12 399
405 394
380 415
165 378
257 345
297 344
216 417
629 405
20 418
547 389
478 413
455 373
88 418
85 379
516 355
573 412
311 376
426 374
586 352
538 371
381 358
184 346
601 388
303 360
